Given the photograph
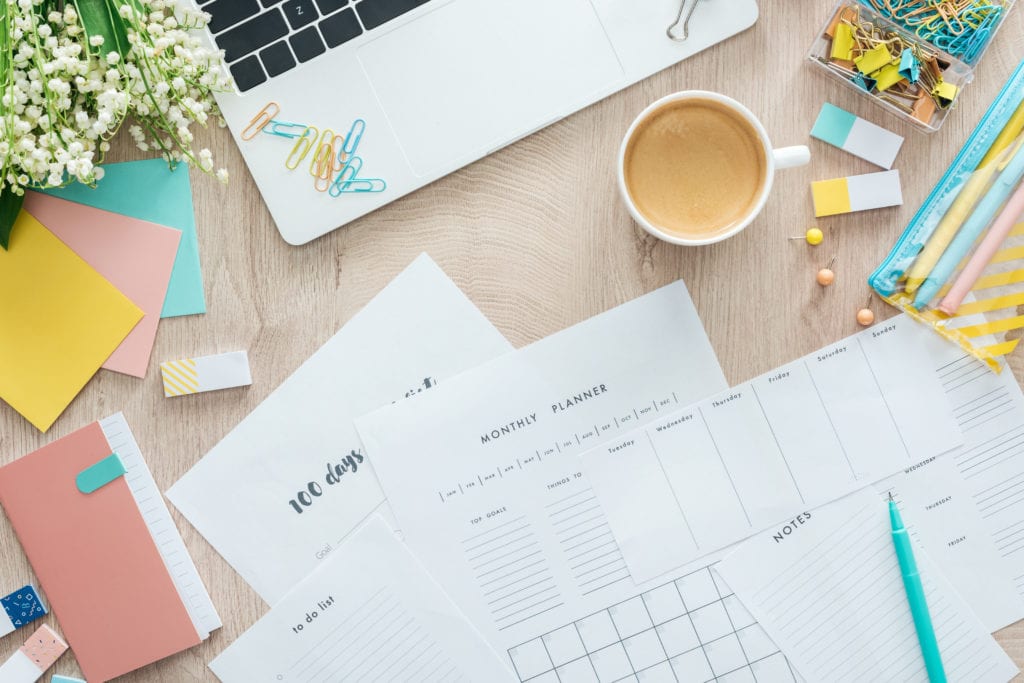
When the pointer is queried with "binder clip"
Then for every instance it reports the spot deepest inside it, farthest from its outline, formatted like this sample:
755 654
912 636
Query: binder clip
670 32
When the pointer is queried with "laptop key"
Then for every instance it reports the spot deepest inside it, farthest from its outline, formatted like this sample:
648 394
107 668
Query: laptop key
299 12
252 35
271 3
377 12
277 59
307 44
341 27
248 73
328 6
226 13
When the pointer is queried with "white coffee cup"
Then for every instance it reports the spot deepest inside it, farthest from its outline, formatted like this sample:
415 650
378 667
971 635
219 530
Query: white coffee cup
785 157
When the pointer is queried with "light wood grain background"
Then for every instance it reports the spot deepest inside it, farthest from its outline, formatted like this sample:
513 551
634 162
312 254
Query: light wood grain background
537 238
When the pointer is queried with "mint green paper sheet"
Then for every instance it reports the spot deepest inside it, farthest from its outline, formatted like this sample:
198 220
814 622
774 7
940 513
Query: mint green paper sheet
149 191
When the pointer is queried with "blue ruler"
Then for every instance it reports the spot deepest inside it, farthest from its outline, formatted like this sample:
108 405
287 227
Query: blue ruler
885 278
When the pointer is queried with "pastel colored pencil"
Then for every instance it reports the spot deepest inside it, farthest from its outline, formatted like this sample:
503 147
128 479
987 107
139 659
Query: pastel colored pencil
1011 172
997 234
965 202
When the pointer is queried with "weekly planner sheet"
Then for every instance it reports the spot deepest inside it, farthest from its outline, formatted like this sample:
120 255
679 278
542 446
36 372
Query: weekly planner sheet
712 473
485 480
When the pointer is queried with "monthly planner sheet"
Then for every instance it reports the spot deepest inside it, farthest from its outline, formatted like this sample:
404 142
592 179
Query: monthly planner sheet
485 480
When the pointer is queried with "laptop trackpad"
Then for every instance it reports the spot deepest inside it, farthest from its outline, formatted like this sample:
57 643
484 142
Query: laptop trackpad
474 74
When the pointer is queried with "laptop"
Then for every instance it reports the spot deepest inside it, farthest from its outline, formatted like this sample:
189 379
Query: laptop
439 83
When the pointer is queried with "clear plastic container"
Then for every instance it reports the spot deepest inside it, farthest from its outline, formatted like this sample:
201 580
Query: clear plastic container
874 56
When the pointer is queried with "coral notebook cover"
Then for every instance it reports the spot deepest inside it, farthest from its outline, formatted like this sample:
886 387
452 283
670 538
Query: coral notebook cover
95 558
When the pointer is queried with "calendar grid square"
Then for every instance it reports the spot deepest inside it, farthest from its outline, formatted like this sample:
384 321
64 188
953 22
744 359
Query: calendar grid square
607 649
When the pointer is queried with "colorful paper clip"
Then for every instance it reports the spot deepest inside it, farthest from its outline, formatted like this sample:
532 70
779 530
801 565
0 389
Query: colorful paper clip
323 156
260 121
354 137
348 173
301 147
285 129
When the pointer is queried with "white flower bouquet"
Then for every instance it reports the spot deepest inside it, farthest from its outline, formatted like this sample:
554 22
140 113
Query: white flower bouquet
72 72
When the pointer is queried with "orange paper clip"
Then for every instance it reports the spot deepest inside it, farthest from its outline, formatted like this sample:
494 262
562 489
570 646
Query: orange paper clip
260 121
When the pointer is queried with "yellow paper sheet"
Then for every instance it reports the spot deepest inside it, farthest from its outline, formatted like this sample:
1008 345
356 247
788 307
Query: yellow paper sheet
59 320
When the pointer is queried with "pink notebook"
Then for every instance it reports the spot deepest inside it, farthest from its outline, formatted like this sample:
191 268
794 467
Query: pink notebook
95 558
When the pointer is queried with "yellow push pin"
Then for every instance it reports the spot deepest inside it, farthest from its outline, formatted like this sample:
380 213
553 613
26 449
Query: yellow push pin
825 275
814 236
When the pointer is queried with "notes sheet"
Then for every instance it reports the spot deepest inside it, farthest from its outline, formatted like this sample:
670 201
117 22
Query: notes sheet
708 475
828 590
369 612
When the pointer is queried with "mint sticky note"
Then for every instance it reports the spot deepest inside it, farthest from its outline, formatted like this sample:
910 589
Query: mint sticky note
150 191
853 134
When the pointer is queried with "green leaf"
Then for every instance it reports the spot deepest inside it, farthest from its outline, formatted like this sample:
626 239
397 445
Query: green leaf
10 206
100 18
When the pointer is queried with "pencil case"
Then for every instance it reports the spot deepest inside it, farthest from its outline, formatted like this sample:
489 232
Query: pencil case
959 265
906 55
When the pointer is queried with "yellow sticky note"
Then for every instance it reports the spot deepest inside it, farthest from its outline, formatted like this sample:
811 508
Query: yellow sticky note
831 197
59 320
842 43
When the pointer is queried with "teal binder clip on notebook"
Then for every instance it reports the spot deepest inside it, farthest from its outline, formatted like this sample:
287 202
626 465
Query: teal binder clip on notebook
965 206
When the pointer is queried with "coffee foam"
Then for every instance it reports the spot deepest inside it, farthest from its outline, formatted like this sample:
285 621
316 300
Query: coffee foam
695 168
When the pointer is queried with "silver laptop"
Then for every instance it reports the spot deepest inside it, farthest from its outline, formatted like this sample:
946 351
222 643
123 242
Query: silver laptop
439 83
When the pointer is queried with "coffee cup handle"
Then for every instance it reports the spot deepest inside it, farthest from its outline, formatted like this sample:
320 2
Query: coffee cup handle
789 157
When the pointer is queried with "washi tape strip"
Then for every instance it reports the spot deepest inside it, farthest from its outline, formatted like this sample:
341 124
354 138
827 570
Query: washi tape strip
857 136
857 193
57 678
42 649
207 373
21 607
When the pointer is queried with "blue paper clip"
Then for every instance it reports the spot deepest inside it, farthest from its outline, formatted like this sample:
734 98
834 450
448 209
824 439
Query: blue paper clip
363 185
347 174
354 137
284 129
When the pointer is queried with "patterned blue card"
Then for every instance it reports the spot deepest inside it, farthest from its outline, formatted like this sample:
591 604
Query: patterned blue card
23 606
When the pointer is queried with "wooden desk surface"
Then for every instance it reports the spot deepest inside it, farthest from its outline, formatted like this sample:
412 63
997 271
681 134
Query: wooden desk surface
537 237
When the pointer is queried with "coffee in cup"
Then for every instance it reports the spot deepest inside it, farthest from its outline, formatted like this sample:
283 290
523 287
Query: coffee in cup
696 167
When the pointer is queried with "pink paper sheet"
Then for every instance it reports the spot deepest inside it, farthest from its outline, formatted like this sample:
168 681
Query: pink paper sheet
135 256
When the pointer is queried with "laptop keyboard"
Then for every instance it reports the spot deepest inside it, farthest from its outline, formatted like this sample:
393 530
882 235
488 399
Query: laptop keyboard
262 39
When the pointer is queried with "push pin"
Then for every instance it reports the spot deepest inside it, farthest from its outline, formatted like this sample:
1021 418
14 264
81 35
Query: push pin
826 276
866 316
814 236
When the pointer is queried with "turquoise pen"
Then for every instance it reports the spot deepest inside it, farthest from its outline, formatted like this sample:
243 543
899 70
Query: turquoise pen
915 596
